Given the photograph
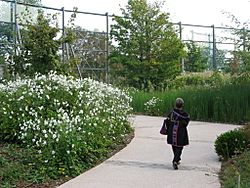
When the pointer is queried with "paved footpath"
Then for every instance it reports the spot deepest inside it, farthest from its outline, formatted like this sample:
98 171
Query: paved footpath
146 161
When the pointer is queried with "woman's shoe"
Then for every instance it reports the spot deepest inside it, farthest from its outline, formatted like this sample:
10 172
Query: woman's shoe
175 165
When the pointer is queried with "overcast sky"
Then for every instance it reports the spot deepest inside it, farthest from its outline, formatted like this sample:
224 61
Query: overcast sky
205 12
199 12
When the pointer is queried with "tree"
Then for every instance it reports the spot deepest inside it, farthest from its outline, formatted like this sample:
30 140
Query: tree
38 52
242 51
40 46
6 9
147 50
195 60
7 29
241 54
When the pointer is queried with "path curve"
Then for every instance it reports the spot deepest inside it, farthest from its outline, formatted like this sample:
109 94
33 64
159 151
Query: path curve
146 161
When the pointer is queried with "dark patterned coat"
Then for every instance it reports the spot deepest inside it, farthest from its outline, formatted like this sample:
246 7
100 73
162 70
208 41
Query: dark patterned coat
177 128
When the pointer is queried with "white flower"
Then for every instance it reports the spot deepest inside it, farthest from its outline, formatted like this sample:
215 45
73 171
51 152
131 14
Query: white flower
40 107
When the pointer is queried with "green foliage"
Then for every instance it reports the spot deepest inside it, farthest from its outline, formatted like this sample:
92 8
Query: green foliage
70 124
236 169
15 167
166 101
244 42
246 130
230 144
5 10
7 33
221 62
241 54
39 48
205 79
152 107
217 104
242 78
221 104
195 60
5 39
148 50
241 62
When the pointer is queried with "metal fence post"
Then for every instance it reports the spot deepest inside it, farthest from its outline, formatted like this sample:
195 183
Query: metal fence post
63 34
244 39
15 26
214 49
182 59
11 15
107 47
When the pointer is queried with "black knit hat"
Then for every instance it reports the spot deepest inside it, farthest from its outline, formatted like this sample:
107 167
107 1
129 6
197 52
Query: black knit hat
179 103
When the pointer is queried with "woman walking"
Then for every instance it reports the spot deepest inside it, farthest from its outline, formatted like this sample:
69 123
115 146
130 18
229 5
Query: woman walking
177 131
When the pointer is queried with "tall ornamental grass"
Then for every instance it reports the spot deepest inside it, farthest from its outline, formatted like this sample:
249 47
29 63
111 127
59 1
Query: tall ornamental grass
68 123
230 103
141 99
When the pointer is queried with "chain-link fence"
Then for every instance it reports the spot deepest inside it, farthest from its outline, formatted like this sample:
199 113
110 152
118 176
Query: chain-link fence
92 44
92 31
217 43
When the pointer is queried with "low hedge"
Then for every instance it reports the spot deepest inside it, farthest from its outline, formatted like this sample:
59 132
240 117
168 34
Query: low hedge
231 143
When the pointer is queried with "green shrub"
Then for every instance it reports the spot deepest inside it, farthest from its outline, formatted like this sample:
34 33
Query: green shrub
152 106
40 44
71 123
202 79
236 169
231 143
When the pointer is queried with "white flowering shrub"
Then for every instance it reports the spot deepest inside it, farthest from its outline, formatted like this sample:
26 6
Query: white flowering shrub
70 123
152 106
